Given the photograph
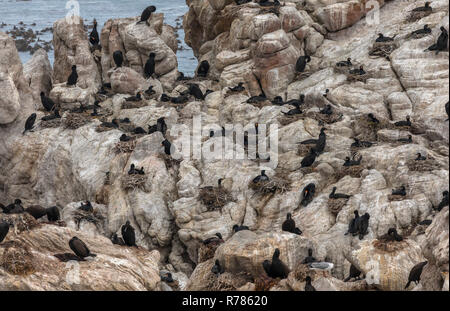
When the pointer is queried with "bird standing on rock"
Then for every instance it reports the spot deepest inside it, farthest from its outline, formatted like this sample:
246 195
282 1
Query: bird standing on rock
128 234
73 77
146 14
79 248
118 58
149 68
300 66
47 102
94 38
29 123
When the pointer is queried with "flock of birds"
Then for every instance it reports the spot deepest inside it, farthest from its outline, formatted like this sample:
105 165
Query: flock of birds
274 268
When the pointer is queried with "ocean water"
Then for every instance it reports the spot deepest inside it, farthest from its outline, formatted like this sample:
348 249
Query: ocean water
44 13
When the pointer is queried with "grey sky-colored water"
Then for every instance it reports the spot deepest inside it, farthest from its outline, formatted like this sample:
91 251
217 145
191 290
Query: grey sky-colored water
45 12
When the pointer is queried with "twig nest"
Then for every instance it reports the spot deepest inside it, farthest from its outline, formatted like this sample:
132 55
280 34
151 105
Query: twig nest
214 197
17 259
125 146
75 120
133 182
336 205
389 246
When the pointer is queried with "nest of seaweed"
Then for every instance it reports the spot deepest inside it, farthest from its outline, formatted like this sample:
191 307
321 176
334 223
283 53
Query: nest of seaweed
75 120
279 183
301 271
358 78
17 259
22 222
367 130
228 281
265 283
125 146
382 49
133 182
389 246
415 16
328 119
336 205
427 165
51 124
286 120
206 252
133 105
214 197
396 197
94 217
353 171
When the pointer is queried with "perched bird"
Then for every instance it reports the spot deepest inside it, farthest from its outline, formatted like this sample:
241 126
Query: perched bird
239 2
308 285
422 31
36 211
393 235
404 123
405 140
117 240
53 116
195 91
328 110
278 100
400 191
382 38
361 144
447 108
79 248
217 269
150 91
47 102
277 268
94 38
124 138
87 207
167 147
372 118
310 158
118 58
353 274
334 195
309 259
442 42
73 77
289 224
149 68
239 88
136 98
301 63
352 162
261 178
128 234
203 69
425 8
308 194
29 123
53 214
444 201
4 229
296 102
359 71
237 228
113 124
345 63
216 239
415 273
352 228
165 98
294 111
257 99
425 222
362 225
160 126
420 157
146 14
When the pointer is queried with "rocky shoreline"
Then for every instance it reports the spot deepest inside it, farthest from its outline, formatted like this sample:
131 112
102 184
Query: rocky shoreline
177 203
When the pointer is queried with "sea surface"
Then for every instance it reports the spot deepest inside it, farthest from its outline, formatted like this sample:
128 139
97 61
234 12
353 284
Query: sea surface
43 13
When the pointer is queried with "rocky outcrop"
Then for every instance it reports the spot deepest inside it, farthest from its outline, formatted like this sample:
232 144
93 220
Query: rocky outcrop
137 41
27 262
38 73
71 45
167 205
